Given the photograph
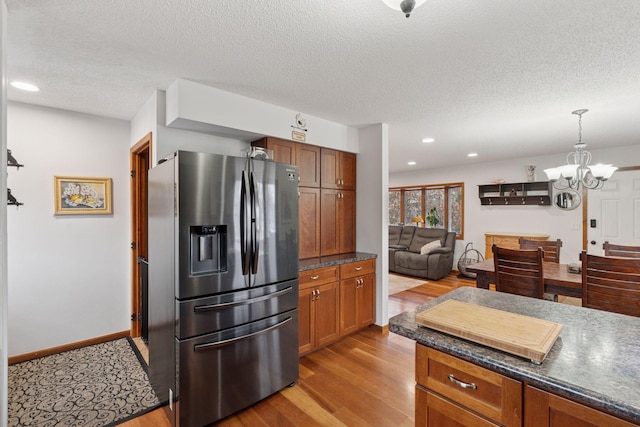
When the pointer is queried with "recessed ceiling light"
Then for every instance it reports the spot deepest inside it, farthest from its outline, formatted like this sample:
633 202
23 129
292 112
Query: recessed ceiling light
25 86
411 163
427 140
472 155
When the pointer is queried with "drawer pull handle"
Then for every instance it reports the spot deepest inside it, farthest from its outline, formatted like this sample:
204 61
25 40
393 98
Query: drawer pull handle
456 381
314 277
358 268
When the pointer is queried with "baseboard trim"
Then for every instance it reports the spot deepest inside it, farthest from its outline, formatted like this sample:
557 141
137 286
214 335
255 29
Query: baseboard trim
71 346
384 329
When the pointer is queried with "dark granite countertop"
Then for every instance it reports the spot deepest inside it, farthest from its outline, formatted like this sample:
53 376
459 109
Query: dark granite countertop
328 261
595 361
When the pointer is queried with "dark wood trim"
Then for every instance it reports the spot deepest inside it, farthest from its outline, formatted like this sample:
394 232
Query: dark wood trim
66 347
380 329
140 162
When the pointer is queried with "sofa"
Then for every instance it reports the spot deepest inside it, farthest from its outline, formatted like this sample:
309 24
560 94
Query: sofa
421 252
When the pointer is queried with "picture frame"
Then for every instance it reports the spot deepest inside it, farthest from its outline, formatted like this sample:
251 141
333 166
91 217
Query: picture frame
75 195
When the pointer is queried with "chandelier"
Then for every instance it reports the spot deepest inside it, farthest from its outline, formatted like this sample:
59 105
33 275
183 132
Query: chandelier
578 170
405 6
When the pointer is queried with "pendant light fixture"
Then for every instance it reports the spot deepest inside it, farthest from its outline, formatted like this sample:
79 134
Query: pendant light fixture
578 170
404 6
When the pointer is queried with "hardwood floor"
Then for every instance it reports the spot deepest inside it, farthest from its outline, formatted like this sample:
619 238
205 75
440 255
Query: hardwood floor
365 379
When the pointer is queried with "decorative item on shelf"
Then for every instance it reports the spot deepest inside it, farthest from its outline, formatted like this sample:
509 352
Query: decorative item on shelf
11 161
432 217
513 192
498 181
258 153
404 6
11 200
531 172
418 220
578 170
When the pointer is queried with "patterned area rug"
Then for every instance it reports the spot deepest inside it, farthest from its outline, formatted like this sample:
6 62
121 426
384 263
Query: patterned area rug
100 385
399 283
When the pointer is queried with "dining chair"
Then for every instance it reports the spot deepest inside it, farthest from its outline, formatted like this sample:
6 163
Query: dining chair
519 271
621 250
550 248
611 283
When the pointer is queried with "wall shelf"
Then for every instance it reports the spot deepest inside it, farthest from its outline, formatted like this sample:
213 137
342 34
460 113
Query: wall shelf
516 194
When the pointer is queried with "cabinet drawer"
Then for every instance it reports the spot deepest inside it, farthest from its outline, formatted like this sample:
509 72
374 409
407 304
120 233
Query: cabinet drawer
488 393
433 410
318 276
358 268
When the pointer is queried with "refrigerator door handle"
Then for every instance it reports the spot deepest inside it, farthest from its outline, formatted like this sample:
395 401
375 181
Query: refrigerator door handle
217 344
255 225
225 305
243 225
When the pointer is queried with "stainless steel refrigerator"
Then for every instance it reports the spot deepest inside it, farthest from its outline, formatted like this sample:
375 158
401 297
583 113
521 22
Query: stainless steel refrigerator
223 283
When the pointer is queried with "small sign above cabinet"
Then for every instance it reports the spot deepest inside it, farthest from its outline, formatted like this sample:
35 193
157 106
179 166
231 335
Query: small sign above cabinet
519 193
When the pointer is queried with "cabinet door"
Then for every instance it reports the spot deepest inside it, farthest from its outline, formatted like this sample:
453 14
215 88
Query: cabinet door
366 303
327 317
348 302
347 171
329 168
432 410
546 409
346 221
305 320
283 151
308 161
309 222
329 242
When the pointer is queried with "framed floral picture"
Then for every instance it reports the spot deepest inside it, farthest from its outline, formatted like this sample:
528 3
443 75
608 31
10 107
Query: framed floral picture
82 196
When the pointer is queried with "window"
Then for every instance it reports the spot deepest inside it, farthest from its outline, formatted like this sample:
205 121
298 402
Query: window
443 202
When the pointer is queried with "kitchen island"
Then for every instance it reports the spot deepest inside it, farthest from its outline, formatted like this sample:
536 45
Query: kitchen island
591 373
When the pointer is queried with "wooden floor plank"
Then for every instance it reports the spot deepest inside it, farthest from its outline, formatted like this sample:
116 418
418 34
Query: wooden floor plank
365 379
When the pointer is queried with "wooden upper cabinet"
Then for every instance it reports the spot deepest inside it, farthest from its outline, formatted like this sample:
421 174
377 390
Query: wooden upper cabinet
283 151
338 169
309 222
308 161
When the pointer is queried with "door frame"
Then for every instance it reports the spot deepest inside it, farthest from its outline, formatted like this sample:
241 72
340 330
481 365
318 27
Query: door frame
140 161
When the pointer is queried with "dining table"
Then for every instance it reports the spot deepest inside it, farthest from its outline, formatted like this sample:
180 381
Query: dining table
557 279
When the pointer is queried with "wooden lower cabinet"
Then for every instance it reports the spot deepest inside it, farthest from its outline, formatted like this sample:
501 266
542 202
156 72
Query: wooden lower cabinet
454 392
546 409
318 316
329 307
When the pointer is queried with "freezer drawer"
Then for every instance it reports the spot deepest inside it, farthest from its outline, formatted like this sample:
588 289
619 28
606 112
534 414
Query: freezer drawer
224 372
210 314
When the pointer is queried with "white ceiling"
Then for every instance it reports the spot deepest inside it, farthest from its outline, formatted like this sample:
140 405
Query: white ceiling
498 77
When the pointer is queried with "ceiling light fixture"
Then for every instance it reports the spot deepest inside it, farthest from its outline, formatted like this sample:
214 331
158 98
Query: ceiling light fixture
427 140
25 86
404 6
411 163
577 170
472 155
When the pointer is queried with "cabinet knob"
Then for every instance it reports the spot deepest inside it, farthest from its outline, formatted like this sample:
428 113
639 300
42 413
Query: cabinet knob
314 277
358 268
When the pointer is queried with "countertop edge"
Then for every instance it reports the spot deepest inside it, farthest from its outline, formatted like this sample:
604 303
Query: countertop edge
332 260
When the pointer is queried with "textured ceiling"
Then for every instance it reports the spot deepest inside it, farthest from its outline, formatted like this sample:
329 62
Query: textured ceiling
496 77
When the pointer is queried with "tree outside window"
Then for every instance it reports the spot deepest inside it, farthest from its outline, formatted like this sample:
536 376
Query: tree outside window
442 203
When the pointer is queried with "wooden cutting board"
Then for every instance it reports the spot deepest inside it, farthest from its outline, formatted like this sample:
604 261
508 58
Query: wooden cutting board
516 334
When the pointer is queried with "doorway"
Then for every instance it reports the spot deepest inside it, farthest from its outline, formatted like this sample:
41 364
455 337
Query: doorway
140 158
614 211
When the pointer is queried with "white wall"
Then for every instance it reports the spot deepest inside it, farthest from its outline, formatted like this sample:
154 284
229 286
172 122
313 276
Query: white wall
3 217
69 276
372 207
565 225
